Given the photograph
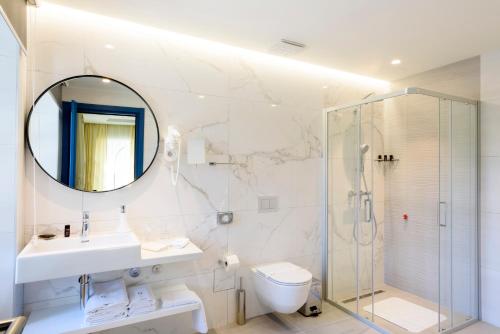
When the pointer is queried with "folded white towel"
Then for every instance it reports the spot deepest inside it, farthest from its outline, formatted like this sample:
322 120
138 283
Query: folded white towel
141 309
178 298
105 317
186 297
140 295
142 299
107 295
158 245
178 242
154 246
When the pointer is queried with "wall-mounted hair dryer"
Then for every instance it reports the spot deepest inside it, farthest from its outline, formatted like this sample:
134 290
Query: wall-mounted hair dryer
172 149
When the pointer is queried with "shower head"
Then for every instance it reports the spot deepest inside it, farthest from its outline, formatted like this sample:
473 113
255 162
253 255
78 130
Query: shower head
364 148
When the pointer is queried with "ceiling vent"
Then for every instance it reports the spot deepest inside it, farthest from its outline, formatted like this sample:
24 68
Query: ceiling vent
287 48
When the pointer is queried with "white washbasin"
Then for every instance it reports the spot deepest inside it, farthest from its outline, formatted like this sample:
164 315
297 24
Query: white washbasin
62 257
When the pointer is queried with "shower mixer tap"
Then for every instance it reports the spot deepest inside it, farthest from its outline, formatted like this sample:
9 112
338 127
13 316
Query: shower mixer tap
353 193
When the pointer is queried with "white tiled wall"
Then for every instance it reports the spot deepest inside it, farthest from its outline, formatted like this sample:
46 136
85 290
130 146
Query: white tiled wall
411 134
279 146
11 67
490 186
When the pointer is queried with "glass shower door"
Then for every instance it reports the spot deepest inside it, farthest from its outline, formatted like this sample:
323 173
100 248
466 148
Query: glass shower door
458 299
343 206
368 235
354 135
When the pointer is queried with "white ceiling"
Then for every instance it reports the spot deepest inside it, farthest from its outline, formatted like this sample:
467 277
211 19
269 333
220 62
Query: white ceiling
360 36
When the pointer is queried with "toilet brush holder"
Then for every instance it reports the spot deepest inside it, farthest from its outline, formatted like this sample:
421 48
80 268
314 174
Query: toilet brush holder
241 304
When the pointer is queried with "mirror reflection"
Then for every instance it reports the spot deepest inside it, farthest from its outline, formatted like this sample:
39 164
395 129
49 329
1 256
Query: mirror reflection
92 133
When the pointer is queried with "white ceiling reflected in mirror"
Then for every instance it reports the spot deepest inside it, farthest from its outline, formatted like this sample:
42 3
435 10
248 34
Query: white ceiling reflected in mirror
92 133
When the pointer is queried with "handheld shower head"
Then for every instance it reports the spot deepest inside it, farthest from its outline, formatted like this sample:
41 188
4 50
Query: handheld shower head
363 148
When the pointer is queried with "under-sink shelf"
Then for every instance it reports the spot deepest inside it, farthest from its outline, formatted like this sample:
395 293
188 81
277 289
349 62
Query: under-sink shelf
69 319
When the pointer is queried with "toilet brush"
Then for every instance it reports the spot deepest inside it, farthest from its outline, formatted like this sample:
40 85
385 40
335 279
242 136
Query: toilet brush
241 302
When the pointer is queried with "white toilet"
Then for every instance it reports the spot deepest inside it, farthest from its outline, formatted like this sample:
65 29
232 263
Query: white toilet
282 286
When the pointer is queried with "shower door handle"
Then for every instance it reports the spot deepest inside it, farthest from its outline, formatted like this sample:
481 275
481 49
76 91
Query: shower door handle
368 210
443 208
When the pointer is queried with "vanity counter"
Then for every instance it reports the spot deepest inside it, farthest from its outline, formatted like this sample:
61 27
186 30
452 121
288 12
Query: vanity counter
65 257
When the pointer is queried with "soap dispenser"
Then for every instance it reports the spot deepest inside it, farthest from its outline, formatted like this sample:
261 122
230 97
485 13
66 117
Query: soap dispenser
123 224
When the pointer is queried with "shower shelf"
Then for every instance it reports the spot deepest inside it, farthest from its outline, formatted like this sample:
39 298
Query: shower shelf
382 160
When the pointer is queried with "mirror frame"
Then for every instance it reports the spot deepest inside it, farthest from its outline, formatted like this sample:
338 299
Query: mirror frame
26 130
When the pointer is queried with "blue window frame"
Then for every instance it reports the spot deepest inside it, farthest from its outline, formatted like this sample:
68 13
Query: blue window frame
69 119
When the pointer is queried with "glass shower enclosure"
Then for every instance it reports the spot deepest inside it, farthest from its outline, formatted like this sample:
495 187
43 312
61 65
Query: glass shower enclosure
401 241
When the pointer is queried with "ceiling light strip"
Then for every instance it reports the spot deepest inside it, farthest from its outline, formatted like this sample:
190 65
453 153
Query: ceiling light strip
210 46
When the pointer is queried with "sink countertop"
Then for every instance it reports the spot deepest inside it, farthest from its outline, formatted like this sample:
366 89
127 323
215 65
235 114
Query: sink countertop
64 257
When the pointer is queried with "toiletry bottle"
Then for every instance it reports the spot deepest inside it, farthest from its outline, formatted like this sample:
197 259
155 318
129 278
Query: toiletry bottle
123 224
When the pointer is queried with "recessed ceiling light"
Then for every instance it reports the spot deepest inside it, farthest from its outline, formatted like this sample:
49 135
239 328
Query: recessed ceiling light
274 105
396 61
106 80
201 96
109 46
325 87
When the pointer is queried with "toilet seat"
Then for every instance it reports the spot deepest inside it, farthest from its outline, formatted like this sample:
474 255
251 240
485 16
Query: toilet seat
284 273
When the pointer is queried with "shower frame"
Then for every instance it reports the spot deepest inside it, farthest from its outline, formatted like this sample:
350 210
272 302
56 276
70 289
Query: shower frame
325 226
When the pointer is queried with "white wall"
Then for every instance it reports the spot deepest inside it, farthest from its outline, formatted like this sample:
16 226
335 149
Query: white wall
490 187
280 147
12 69
459 79
45 134
411 134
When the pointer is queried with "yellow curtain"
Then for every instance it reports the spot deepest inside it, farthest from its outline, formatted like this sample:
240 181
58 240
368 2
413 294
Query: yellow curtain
105 155
95 152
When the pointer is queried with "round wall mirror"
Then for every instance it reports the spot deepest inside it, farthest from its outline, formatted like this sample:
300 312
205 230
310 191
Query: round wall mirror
92 133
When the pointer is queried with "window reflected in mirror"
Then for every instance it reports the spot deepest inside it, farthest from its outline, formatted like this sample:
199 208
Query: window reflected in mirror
92 134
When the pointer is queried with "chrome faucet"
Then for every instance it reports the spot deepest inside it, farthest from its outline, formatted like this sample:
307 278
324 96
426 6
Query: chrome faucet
85 227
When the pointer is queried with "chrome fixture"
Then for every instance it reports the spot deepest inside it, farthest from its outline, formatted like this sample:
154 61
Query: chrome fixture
134 272
85 227
12 326
84 281
224 218
213 163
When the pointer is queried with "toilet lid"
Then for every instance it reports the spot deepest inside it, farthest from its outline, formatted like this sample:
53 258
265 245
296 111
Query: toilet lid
285 273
